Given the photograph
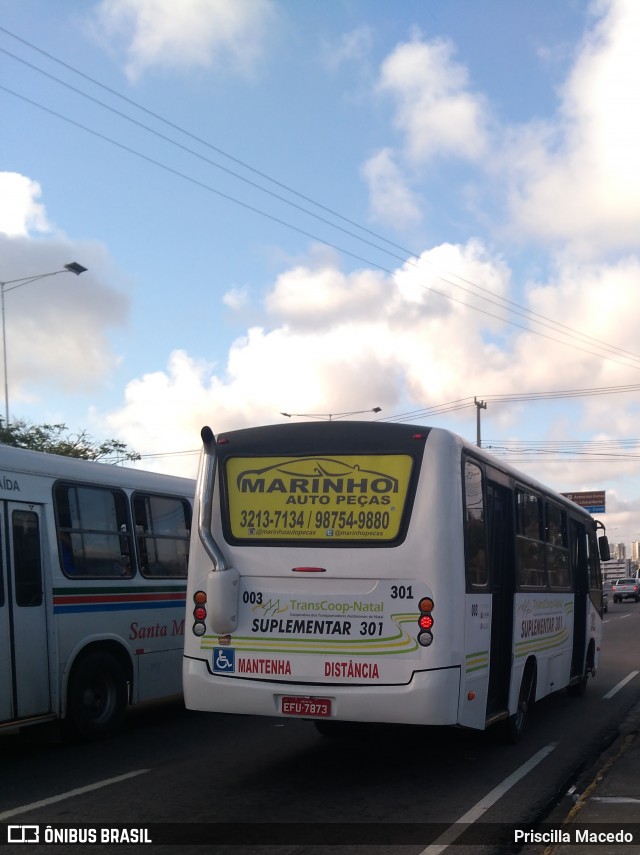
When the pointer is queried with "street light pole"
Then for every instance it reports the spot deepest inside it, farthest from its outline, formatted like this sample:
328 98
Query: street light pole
72 267
4 362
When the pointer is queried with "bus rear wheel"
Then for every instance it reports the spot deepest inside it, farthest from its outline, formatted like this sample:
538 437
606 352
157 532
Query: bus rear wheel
98 695
578 688
515 724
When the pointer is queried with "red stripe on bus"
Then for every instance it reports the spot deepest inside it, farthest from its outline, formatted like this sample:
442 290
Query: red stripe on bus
114 598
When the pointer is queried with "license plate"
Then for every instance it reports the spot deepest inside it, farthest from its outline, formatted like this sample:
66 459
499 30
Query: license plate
318 707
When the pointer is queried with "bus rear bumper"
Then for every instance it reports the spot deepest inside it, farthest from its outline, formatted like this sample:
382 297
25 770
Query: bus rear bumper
430 698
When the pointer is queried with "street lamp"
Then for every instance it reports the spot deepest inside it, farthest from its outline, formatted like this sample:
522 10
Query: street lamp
329 417
72 267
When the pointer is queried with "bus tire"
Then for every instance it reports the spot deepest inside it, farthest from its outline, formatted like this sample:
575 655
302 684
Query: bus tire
98 695
514 726
578 688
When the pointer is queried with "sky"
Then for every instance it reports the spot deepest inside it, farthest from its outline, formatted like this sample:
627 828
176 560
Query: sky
430 207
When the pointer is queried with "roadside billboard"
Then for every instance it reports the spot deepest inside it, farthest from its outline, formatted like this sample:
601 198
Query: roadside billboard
591 500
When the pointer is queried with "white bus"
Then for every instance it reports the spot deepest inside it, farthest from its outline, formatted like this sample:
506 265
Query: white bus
92 589
371 572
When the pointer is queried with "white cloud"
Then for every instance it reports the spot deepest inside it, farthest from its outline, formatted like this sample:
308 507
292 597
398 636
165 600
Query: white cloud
57 324
237 298
338 342
164 411
304 299
20 212
185 34
577 180
437 115
570 179
435 110
391 200
354 46
600 296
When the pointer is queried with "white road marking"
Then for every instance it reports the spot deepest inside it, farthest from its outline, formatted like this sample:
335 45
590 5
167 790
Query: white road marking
620 685
616 800
69 794
454 831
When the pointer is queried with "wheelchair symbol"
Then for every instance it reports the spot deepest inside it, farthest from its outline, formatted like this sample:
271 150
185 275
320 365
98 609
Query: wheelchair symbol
224 659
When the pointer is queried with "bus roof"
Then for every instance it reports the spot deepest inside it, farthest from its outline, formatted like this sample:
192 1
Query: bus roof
20 460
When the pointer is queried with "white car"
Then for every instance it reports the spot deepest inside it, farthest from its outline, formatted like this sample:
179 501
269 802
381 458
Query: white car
626 589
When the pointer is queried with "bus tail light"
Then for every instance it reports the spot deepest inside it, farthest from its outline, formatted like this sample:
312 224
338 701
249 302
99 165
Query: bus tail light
199 613
425 622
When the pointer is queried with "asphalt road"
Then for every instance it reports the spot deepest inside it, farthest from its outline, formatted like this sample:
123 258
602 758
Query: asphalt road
179 774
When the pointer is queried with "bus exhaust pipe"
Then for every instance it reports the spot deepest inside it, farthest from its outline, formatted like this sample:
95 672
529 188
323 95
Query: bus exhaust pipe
223 582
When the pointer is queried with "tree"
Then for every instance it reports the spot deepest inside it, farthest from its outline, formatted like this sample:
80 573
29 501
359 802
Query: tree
56 439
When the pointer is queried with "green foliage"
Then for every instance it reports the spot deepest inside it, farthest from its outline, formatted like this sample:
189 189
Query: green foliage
56 439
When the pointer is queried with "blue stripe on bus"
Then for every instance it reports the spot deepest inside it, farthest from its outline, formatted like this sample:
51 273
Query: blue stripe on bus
117 607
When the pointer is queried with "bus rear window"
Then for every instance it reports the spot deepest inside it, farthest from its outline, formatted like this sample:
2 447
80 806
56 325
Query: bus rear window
343 498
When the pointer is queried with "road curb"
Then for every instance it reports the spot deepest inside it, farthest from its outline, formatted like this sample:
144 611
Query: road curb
606 768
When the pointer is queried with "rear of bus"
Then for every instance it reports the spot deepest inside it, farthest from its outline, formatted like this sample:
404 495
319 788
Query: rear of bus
326 576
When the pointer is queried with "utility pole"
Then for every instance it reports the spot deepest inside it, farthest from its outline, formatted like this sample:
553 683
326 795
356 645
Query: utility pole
481 405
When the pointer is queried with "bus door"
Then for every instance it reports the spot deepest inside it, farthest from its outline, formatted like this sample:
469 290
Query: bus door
6 696
580 581
501 569
24 660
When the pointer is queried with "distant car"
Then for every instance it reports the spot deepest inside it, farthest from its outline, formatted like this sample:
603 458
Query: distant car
626 589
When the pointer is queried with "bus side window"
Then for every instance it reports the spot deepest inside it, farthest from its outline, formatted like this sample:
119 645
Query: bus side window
1 571
558 570
93 530
530 548
163 526
26 558
475 526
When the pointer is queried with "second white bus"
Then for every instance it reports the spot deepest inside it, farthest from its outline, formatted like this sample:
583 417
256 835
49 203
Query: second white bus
92 589
372 572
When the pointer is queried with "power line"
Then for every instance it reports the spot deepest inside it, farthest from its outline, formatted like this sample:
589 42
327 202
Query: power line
197 182
600 448
559 455
496 300
518 397
407 253
197 154
566 393
189 134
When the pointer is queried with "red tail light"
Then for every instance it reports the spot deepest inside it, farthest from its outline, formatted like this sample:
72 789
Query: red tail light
199 613
425 622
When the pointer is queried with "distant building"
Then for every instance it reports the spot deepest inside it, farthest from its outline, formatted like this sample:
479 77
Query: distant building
617 568
621 551
635 551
